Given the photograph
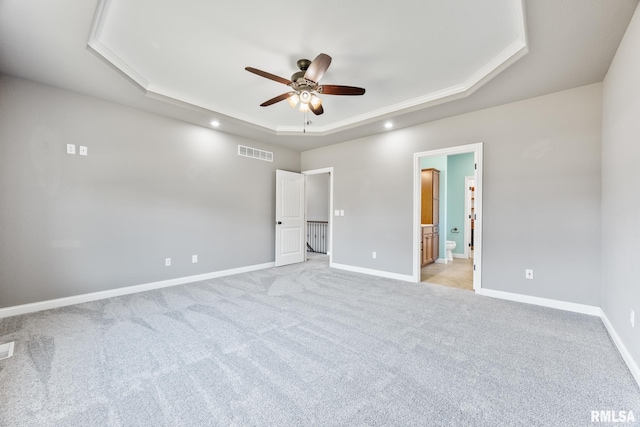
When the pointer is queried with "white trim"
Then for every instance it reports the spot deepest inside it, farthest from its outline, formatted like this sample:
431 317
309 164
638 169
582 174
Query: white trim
118 63
477 228
544 302
455 255
475 148
94 296
328 170
626 356
441 260
516 50
103 50
372 272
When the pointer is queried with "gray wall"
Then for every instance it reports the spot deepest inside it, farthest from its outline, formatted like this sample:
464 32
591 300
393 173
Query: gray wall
541 193
620 194
150 188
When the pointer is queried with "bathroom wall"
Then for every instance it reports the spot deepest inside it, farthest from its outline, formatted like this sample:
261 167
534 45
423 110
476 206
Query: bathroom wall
459 166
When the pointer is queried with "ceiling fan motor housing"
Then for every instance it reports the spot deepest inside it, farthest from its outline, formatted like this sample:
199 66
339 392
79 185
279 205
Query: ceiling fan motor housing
297 76
303 64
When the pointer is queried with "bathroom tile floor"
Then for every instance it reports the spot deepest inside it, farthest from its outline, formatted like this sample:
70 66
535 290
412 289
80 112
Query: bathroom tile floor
457 274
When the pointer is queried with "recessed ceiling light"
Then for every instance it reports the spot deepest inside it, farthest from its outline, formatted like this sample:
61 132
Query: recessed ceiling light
215 123
388 125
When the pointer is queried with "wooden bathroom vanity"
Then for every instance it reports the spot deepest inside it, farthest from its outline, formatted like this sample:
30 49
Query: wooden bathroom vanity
430 216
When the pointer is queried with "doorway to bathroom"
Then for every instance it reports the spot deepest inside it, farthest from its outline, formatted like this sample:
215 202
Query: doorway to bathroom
448 231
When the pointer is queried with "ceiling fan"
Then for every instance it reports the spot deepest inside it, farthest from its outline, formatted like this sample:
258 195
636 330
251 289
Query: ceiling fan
305 85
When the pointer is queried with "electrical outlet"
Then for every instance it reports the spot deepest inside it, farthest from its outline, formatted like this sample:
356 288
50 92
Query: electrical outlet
194 258
167 262
528 274
632 319
71 149
373 255
83 150
337 212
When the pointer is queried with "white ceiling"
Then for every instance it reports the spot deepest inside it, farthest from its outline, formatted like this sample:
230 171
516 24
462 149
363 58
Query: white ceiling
419 60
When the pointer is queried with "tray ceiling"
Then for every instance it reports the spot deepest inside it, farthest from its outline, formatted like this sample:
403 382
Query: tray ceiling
418 60
407 55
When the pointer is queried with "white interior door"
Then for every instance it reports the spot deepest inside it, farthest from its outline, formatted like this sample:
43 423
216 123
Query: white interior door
290 221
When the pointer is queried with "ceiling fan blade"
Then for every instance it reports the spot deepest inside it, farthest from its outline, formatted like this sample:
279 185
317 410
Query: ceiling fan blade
318 67
316 111
268 75
340 90
276 99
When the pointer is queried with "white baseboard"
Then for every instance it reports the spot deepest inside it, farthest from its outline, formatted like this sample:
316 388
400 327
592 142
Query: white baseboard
371 272
94 296
441 261
544 302
455 255
626 356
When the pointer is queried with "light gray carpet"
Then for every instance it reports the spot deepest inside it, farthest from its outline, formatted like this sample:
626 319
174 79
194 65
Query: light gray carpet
306 346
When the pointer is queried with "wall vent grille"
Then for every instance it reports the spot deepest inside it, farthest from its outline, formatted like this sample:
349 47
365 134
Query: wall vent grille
6 350
254 153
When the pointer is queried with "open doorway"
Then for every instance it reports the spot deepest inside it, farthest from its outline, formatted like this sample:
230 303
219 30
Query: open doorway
318 209
452 256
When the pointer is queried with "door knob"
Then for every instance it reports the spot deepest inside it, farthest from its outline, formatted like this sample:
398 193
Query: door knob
279 223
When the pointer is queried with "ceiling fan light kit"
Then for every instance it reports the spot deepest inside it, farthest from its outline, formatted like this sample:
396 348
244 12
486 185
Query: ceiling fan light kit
305 85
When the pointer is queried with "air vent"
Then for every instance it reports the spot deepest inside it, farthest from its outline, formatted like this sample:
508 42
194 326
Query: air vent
6 350
254 153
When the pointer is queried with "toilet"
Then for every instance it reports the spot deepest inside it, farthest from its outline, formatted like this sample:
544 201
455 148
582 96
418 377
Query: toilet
450 245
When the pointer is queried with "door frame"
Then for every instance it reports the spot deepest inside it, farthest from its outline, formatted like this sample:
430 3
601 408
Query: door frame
476 149
328 170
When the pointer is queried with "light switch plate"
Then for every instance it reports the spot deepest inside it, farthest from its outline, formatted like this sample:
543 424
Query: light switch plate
83 150
528 274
